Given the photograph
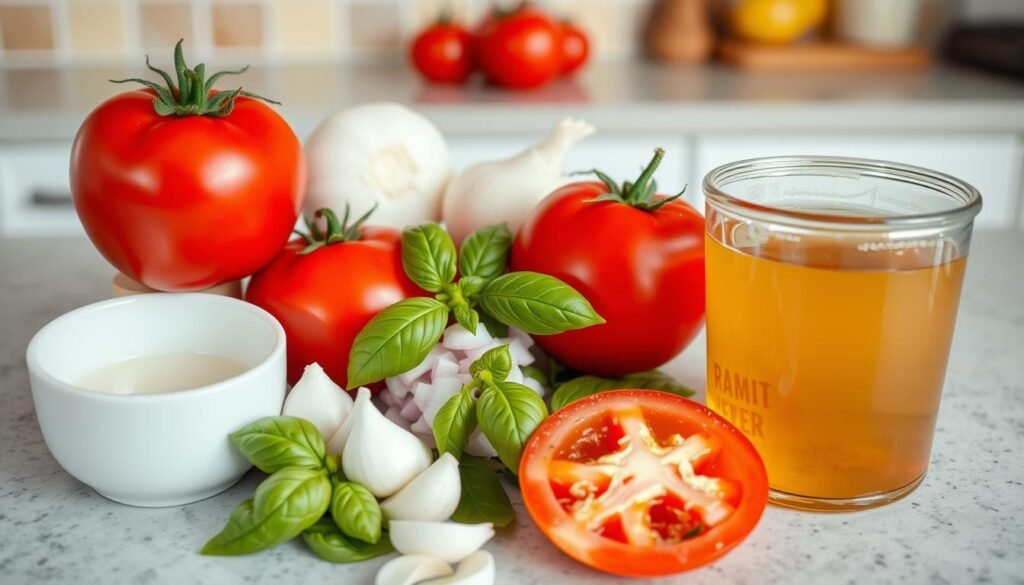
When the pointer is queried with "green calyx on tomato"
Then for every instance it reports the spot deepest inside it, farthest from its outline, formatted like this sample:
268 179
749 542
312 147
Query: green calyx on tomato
640 193
337 231
193 95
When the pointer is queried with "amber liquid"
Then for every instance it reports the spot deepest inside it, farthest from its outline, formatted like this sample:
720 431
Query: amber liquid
831 359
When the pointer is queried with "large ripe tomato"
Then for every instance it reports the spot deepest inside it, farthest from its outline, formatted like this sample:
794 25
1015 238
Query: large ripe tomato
575 48
519 50
323 293
442 53
642 483
186 190
639 260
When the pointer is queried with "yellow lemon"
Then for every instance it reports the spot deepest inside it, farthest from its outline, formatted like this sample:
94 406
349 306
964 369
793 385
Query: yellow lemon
776 21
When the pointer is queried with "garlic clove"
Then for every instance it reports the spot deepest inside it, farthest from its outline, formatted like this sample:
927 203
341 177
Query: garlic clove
449 541
411 569
477 569
380 454
458 338
319 400
336 444
479 446
431 496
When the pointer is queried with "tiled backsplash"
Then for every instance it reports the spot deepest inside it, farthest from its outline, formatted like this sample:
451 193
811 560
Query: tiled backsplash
39 32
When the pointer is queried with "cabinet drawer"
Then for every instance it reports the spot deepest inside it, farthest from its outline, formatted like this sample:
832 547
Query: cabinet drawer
35 194
990 162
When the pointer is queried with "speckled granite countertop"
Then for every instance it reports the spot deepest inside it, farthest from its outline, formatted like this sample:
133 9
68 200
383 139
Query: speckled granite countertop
963 525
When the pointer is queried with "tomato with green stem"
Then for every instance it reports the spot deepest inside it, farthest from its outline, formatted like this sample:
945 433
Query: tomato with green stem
519 49
642 483
442 52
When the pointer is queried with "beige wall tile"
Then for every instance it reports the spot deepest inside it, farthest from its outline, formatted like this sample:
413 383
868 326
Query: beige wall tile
305 26
237 25
375 26
33 89
609 24
26 28
95 27
163 23
428 11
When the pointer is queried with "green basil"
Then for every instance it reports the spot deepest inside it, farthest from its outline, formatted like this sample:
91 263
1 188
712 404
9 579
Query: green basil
537 303
356 512
454 422
535 373
584 386
494 327
286 503
485 252
276 442
396 339
497 361
471 285
483 498
330 544
508 413
428 256
467 317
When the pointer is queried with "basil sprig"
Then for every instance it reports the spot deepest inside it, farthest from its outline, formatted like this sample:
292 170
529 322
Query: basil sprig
302 487
584 386
483 498
401 336
506 412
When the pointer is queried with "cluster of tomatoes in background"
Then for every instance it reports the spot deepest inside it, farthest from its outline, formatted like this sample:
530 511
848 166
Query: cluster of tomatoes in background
521 48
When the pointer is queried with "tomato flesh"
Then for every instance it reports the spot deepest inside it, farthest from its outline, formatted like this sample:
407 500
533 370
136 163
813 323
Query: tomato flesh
642 483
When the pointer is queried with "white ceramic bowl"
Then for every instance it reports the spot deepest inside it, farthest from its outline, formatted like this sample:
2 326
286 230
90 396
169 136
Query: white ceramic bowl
155 449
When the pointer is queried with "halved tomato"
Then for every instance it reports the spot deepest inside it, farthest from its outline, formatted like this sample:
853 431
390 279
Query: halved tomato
642 483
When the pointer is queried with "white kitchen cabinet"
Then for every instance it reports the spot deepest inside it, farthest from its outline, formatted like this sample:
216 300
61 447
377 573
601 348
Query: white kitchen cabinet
35 195
992 162
622 156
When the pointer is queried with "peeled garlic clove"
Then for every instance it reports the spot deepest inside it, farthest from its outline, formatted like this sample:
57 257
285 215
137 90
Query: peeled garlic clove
449 541
411 569
380 454
319 400
432 496
477 569
336 444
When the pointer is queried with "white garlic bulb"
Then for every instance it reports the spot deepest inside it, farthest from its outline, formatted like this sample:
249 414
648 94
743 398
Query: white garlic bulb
319 400
411 569
433 495
449 541
336 444
379 454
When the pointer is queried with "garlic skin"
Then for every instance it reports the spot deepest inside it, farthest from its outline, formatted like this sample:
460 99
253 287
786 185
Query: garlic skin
319 400
411 569
432 496
509 189
380 454
336 443
449 541
477 569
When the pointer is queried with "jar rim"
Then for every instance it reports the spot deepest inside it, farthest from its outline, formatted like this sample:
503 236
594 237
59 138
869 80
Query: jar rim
718 179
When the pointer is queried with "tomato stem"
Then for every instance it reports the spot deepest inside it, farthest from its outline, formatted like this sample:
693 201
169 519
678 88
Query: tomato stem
193 95
642 193
337 231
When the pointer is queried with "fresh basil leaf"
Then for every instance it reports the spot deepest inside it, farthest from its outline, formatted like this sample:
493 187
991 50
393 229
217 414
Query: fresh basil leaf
483 498
497 361
276 442
494 327
535 373
428 256
584 386
454 423
537 303
396 339
286 503
485 252
467 317
471 285
508 413
330 544
356 511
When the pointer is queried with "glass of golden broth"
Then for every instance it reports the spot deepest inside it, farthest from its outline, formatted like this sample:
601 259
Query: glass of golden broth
832 291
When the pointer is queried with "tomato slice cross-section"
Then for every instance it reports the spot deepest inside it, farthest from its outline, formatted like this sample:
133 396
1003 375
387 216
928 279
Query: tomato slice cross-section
642 483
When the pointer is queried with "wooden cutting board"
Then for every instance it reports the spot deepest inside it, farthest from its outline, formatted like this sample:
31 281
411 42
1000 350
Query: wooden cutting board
819 56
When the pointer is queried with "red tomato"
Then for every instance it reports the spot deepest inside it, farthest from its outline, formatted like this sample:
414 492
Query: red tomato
442 53
641 268
642 483
325 297
575 48
520 50
186 202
